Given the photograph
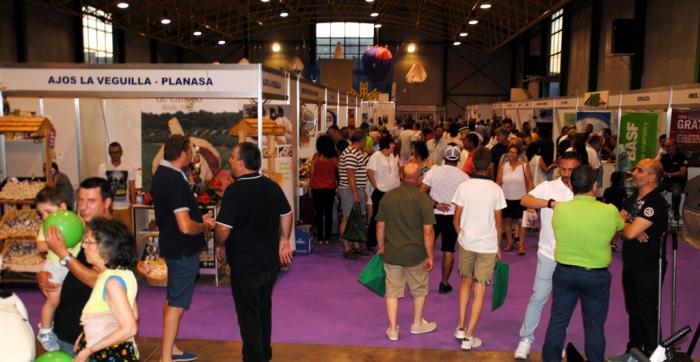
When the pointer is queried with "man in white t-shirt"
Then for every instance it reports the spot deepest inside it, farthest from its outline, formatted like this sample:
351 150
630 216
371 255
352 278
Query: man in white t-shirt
544 197
479 202
122 180
437 144
442 182
408 135
383 176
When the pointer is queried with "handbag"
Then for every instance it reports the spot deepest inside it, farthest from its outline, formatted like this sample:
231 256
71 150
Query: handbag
373 276
356 230
500 284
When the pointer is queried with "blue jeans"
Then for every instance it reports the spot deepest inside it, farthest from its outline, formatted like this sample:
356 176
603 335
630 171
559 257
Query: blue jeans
592 287
541 290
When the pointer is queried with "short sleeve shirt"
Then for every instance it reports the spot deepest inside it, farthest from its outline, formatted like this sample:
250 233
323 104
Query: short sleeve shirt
496 152
404 211
559 192
674 164
171 194
118 178
356 160
652 207
479 198
251 208
386 171
443 182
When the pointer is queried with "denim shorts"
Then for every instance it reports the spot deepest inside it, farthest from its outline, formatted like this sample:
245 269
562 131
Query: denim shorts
182 274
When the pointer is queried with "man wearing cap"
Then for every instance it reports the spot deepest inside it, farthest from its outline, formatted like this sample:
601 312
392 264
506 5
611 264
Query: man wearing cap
583 255
442 182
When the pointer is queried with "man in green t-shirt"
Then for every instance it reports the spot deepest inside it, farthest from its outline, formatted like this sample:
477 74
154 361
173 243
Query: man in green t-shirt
405 237
583 229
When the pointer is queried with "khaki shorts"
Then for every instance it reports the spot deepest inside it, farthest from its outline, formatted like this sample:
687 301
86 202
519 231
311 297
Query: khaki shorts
398 276
476 265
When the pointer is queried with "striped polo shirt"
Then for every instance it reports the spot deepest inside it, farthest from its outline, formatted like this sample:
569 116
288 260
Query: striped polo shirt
356 160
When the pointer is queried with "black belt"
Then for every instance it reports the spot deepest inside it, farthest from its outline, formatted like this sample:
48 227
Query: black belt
581 267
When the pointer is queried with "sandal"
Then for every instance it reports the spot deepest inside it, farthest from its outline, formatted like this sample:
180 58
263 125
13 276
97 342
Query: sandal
508 247
349 255
521 250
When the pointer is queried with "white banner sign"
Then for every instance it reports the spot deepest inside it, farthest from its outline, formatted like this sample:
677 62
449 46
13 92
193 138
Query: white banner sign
117 81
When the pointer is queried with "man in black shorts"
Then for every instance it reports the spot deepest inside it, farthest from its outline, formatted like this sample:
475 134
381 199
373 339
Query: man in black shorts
181 238
442 182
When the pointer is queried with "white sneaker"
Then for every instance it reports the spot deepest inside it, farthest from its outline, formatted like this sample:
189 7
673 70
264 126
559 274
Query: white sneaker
393 334
460 333
523 349
48 339
470 343
424 327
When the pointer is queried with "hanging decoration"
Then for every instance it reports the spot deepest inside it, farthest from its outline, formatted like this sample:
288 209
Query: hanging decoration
377 62
416 74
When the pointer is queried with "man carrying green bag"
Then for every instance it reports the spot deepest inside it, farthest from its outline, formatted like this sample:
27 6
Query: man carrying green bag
405 238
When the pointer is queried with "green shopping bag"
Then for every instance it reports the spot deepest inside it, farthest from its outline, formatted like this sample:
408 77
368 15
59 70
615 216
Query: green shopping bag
500 284
355 229
373 276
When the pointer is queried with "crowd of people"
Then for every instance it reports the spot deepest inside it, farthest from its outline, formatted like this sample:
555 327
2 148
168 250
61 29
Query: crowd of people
468 183
472 183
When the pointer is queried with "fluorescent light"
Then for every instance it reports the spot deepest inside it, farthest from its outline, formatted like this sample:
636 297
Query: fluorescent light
473 22
485 6
197 33
463 34
457 43
377 26
284 14
265 1
122 5
276 47
165 21
369 1
222 42
374 14
411 48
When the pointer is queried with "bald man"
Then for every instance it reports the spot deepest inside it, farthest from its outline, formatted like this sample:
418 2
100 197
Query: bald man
405 237
646 215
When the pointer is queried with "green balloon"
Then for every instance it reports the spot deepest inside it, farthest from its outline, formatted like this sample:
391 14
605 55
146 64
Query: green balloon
68 223
56 356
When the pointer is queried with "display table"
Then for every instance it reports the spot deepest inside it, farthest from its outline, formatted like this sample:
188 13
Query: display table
143 222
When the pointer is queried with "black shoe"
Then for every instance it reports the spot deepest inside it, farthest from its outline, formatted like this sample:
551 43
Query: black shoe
360 252
444 288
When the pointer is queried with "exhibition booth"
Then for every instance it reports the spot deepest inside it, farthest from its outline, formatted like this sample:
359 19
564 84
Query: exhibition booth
82 109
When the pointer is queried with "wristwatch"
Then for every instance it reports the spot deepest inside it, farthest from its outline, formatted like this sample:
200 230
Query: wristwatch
549 203
65 260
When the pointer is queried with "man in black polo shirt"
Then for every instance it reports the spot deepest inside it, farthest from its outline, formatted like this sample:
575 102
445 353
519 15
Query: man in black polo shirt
675 174
498 150
255 221
181 227
94 200
646 215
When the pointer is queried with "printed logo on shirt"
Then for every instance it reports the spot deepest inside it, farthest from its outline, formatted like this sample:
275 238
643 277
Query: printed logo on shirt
649 212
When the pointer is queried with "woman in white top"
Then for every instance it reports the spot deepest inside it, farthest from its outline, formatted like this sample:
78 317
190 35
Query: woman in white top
515 179
383 176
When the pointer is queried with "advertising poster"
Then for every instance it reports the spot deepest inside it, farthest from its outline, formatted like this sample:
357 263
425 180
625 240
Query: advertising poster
599 120
685 129
206 121
638 137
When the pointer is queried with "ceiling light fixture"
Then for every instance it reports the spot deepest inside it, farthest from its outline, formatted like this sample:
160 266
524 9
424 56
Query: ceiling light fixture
457 43
369 1
197 33
221 42
123 5
485 6
374 14
276 47
265 1
411 48
165 21
463 34
473 22
377 26
284 14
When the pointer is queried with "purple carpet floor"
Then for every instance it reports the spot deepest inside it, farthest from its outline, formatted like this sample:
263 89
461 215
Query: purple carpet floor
319 301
